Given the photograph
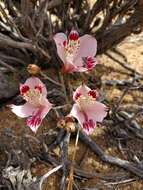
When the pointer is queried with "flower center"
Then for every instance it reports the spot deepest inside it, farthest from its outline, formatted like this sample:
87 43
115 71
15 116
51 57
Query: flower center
32 95
85 101
71 46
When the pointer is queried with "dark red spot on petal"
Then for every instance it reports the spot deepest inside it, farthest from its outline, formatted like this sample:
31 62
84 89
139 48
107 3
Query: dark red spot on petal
35 120
90 59
77 95
90 63
92 93
39 88
91 123
88 125
24 89
73 36
65 43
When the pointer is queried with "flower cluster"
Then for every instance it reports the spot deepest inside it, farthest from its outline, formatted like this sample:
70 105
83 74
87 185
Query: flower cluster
78 55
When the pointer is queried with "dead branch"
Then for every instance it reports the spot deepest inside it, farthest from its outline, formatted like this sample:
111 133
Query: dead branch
131 167
64 157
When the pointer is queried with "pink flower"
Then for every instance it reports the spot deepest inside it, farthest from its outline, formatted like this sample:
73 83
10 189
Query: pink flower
37 105
77 53
86 109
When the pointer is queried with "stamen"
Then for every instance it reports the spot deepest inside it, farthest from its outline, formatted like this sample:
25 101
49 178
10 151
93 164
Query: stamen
85 101
34 95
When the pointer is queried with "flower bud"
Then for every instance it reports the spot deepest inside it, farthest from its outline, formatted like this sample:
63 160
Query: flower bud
70 126
33 69
67 123
61 123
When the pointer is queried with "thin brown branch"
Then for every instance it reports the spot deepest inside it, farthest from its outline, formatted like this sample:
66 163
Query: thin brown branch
12 69
129 166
